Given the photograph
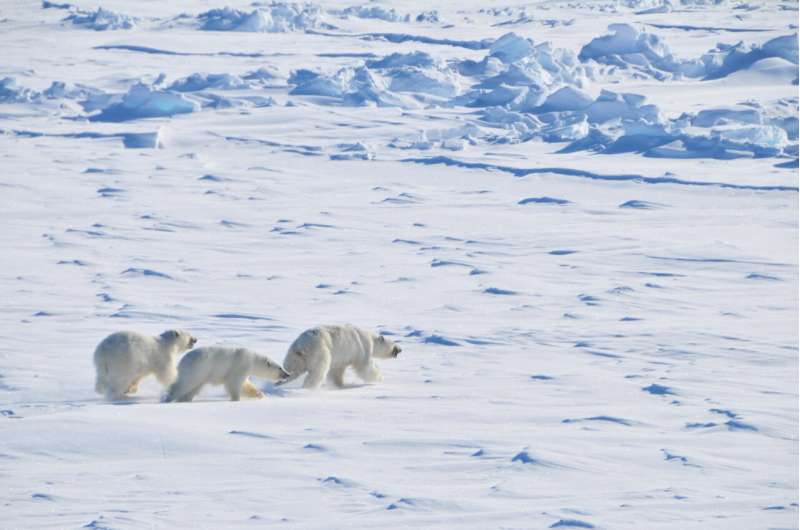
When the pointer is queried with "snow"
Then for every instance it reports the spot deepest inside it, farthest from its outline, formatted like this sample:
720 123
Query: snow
578 219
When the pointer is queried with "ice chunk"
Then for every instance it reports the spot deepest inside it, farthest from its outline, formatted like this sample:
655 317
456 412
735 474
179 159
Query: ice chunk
354 151
611 105
569 127
375 12
143 101
263 74
501 95
486 67
510 48
10 92
428 16
61 90
767 136
712 117
275 18
429 81
725 59
101 20
784 47
151 140
396 60
566 98
627 46
197 82
355 86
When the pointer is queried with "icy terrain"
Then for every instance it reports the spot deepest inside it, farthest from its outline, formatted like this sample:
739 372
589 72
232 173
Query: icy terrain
578 219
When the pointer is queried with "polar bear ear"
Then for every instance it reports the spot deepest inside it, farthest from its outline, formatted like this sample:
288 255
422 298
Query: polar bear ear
382 338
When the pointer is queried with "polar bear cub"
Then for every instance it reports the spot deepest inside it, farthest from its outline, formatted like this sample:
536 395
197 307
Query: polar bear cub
124 358
222 366
327 351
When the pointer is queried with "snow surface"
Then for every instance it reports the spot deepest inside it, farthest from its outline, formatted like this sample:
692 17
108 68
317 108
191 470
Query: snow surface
578 219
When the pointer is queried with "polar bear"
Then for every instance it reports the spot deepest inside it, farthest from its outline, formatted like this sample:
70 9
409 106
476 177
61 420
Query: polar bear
327 351
124 358
222 366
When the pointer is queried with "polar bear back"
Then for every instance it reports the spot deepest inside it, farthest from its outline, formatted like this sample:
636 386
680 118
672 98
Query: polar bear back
127 346
348 344
213 364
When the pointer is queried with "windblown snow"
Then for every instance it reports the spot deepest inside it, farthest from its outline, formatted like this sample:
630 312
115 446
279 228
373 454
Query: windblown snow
579 220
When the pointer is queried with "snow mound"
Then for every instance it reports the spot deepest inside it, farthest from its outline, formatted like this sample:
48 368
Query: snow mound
354 86
397 60
10 92
726 59
101 20
442 83
723 115
612 106
384 82
142 101
628 47
511 48
275 18
520 74
453 139
62 90
431 17
374 12
264 74
197 82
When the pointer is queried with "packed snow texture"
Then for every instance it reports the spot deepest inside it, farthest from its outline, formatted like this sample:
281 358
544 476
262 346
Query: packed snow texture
578 220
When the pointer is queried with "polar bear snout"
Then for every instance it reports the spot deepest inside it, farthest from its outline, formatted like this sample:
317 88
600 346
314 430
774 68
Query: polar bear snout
396 350
192 341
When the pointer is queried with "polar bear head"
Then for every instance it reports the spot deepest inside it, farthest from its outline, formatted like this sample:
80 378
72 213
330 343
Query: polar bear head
177 340
266 368
384 348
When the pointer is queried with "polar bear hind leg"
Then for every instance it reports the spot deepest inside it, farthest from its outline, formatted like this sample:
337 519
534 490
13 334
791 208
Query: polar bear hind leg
100 385
186 387
182 393
318 367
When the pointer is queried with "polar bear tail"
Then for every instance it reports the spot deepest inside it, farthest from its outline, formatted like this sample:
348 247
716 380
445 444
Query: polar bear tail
295 364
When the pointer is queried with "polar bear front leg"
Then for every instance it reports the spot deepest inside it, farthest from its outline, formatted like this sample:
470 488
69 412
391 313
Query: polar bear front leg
336 376
234 383
369 372
250 390
167 375
317 369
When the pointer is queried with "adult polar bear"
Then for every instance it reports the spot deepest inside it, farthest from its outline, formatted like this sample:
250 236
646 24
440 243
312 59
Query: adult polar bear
124 358
327 351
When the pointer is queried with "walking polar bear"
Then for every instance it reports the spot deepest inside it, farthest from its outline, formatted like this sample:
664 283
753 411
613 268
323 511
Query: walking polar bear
327 351
124 358
222 366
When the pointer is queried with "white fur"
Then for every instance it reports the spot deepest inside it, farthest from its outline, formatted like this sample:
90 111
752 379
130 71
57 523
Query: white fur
327 351
124 358
222 366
